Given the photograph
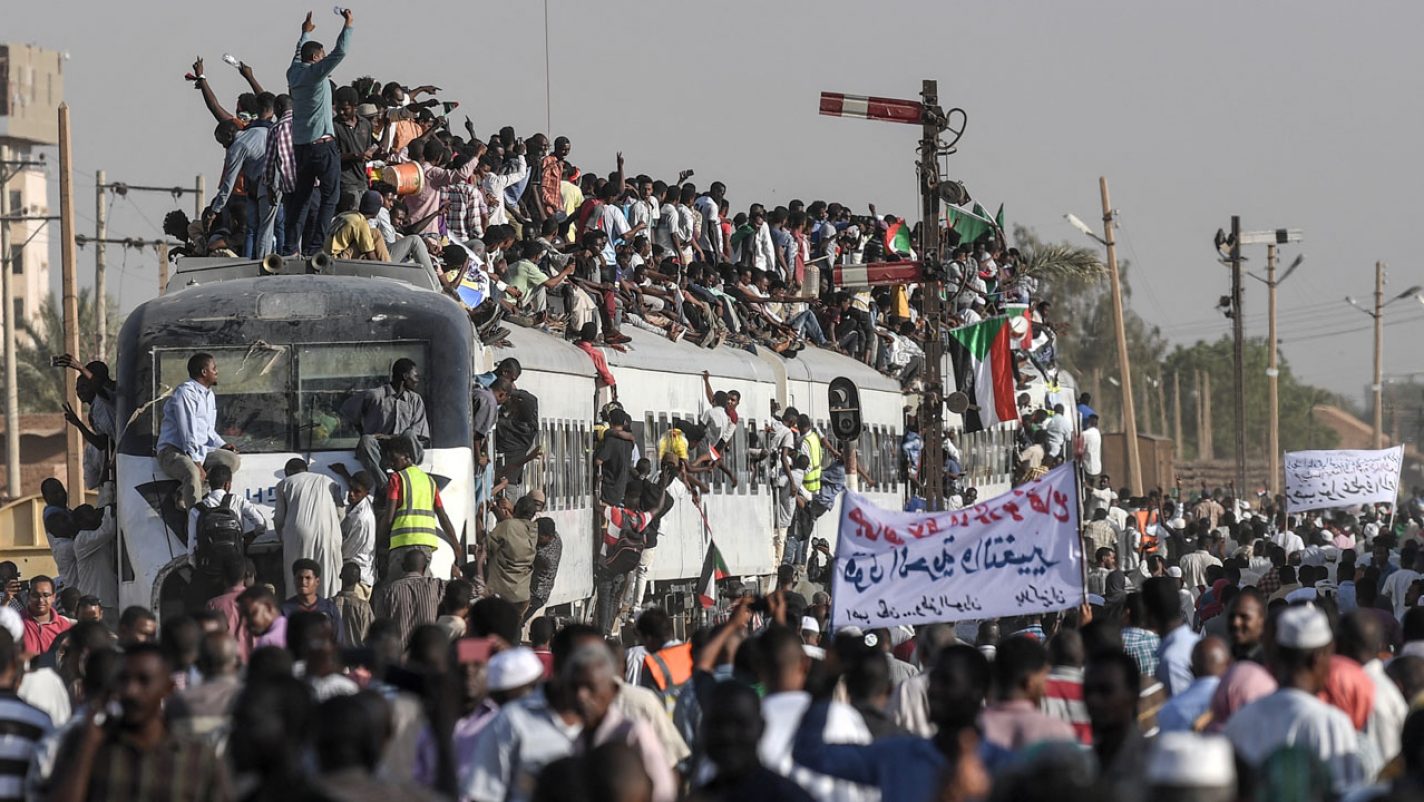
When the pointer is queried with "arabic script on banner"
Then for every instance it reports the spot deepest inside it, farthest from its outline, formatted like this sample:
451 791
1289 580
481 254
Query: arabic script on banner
1016 554
1318 480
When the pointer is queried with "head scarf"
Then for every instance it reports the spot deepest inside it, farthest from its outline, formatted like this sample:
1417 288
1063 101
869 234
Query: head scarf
1349 688
1243 683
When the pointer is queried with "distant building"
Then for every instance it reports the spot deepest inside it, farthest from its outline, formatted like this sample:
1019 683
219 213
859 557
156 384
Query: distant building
33 82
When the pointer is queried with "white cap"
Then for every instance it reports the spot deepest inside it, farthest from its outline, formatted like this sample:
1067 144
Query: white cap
809 624
1174 572
1191 760
1303 628
814 652
1096 600
10 620
513 668
1178 523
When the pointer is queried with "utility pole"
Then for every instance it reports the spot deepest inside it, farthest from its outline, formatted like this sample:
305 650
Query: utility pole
162 267
932 400
1162 405
200 197
101 231
13 488
1177 412
1273 446
1378 387
1238 352
1129 413
75 445
1206 416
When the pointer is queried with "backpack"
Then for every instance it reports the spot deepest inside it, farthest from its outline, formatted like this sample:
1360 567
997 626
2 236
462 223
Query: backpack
621 555
219 533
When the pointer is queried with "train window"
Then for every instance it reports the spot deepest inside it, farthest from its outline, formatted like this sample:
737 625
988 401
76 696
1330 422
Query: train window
582 456
328 375
755 439
255 404
738 459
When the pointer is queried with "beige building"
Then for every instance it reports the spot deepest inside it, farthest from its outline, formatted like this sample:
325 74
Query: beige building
33 82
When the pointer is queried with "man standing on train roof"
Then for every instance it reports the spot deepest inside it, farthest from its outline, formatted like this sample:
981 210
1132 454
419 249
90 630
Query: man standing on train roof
385 414
188 437
413 510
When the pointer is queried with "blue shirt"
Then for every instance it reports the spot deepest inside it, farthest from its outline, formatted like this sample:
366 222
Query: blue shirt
247 156
904 768
311 93
1174 659
190 418
1181 712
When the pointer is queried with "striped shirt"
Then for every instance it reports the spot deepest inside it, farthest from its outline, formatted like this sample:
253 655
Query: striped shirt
281 169
1063 699
409 601
177 769
22 726
465 218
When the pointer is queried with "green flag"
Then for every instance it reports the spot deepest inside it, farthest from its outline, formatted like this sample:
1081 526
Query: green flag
971 224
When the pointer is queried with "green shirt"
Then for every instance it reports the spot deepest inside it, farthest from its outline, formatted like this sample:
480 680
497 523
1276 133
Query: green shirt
524 276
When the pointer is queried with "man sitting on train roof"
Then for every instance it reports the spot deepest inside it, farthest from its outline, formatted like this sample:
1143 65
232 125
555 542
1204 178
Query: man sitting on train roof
352 236
392 411
187 436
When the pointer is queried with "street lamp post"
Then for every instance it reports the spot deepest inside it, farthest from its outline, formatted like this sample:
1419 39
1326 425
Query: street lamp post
1378 314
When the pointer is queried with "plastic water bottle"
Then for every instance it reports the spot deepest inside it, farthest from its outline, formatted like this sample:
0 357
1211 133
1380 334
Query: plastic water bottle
338 11
231 59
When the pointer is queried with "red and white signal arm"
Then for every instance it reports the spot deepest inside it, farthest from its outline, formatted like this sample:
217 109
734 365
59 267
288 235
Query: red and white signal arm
865 107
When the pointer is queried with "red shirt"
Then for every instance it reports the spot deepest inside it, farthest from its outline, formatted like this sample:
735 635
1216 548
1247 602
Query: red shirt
39 636
600 365
393 491
547 658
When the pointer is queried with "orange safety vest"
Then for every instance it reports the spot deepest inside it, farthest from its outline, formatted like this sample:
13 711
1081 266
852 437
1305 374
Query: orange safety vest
669 667
1146 518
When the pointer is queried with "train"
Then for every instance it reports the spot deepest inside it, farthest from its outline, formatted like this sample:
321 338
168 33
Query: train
294 337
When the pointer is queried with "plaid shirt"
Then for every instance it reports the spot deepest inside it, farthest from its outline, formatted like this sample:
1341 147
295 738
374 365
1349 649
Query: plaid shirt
281 172
465 219
1142 645
1270 582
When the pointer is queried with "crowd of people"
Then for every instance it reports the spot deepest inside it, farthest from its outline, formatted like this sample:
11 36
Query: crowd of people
512 228
1222 651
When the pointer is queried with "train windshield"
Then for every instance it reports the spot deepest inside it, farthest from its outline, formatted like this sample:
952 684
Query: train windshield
288 397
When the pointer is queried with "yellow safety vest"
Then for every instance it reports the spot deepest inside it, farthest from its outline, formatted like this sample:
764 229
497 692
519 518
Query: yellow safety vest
812 480
415 523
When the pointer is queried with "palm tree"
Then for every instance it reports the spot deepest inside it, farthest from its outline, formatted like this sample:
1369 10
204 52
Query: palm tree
42 336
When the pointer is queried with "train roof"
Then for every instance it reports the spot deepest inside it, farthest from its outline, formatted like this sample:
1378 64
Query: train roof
296 297
821 365
537 350
648 351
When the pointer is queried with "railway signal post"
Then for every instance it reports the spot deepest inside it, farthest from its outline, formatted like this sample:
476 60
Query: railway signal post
927 113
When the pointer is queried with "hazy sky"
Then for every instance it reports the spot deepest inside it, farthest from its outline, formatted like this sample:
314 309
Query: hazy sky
1289 114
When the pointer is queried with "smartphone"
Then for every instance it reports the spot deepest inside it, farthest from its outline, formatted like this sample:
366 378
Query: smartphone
56 361
473 650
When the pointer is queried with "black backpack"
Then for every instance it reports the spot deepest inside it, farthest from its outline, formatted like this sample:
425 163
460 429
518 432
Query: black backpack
624 555
219 533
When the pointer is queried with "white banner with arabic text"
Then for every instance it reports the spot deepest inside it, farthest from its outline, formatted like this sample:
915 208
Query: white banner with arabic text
1317 480
1017 554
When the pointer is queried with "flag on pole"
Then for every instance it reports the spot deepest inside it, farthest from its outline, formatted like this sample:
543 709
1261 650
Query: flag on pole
984 371
897 240
971 223
714 568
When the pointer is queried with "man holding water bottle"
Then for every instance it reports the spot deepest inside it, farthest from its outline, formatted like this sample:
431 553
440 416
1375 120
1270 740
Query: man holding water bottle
313 136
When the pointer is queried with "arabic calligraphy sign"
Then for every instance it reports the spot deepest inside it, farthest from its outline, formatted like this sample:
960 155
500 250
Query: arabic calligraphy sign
1322 479
1016 554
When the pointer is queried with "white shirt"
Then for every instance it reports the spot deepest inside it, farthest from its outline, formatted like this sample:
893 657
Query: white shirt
764 250
1059 430
494 186
719 425
358 539
1396 587
1291 717
1386 721
782 713
668 221
1289 541
97 561
645 211
65 563
1194 567
711 239
1093 454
